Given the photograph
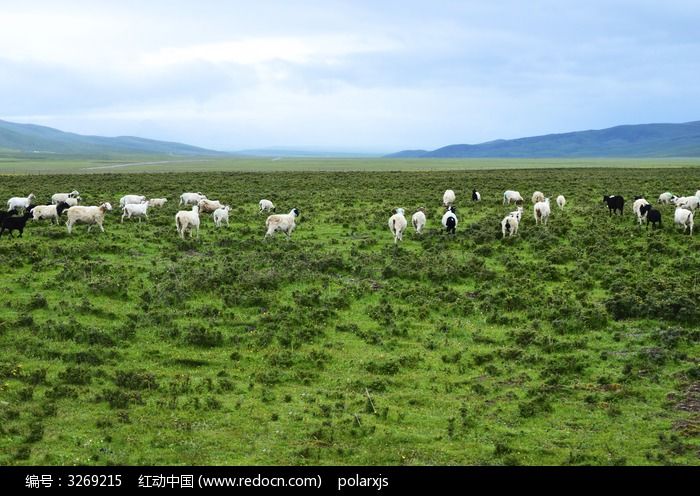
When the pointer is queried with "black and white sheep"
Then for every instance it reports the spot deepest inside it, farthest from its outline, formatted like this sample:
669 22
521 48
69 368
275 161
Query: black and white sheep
282 222
449 220
652 215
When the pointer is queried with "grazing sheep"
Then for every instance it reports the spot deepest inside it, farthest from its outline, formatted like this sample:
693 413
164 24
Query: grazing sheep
87 215
512 196
614 202
131 199
266 205
61 197
208 206
449 220
281 222
157 202
397 224
187 220
17 202
191 198
221 215
637 209
683 217
448 198
72 201
510 224
561 201
133 210
15 223
537 197
476 196
653 216
418 220
49 211
688 202
542 211
667 198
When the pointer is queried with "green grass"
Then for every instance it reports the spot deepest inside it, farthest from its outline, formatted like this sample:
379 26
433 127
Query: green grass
574 343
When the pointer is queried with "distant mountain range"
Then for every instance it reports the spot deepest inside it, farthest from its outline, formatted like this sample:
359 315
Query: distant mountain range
642 140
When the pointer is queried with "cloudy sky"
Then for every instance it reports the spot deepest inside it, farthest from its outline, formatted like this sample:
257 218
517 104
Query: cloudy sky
357 75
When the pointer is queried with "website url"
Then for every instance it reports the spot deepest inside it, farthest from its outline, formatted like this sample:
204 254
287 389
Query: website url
259 481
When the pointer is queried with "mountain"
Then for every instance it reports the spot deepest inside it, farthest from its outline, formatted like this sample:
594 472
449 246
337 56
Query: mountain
303 153
30 138
641 140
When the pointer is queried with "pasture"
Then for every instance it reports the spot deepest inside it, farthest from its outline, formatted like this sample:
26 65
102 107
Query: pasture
571 343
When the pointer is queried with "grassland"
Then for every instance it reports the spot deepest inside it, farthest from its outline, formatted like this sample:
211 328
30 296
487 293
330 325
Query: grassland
575 343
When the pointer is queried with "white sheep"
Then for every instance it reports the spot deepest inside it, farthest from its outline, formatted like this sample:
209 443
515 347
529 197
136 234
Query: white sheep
418 220
72 201
688 202
61 197
667 198
20 202
131 199
135 210
448 198
683 217
510 224
636 208
191 198
517 213
537 196
697 193
266 205
157 202
511 196
52 212
397 224
561 201
208 206
542 211
87 215
187 220
281 222
221 215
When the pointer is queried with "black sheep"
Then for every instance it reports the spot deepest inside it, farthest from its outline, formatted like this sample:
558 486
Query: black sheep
653 216
614 203
15 223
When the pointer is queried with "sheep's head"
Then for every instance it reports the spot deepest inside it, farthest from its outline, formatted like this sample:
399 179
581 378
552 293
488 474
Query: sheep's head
606 198
106 206
31 196
295 211
74 194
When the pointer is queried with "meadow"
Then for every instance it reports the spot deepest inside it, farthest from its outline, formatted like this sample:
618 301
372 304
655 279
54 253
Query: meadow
574 343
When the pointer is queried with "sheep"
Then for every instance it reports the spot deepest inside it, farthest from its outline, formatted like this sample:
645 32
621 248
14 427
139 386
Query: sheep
72 201
187 220
512 196
449 220
542 211
688 202
614 202
637 209
418 220
191 198
448 198
561 201
20 202
537 197
266 205
281 222
208 206
61 197
135 210
667 198
683 217
49 211
397 224
15 223
510 224
131 199
157 202
697 193
517 213
221 215
476 196
87 215
653 216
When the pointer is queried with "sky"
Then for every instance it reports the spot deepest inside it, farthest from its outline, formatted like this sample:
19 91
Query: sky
363 76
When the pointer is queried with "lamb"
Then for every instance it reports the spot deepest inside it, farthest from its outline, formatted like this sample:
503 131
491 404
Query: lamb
397 224
17 202
61 197
537 197
449 220
653 216
15 223
561 201
637 209
49 211
510 224
135 210
418 220
542 211
667 198
448 198
87 215
688 202
208 206
157 202
281 222
683 217
191 198
131 199
221 215
187 220
476 196
266 205
512 196
614 202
